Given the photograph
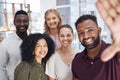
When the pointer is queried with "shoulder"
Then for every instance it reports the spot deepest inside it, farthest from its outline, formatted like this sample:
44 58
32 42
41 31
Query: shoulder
53 57
22 66
22 71
76 51
9 39
78 56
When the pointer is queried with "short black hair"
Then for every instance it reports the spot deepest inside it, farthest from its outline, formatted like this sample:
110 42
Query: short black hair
29 43
86 17
20 12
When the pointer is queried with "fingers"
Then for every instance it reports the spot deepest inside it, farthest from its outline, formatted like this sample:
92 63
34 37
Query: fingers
103 8
109 10
115 4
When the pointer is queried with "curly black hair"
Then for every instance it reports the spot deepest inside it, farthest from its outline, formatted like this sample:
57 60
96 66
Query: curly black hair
29 43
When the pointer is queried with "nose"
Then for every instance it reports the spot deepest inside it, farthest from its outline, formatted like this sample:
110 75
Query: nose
65 37
51 20
42 48
22 23
86 35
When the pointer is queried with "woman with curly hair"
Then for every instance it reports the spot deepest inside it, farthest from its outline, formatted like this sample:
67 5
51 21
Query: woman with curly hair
36 50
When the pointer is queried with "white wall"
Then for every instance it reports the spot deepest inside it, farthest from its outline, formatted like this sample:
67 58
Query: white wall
45 5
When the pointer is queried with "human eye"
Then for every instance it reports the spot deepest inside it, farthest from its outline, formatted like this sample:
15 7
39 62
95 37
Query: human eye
69 35
18 21
25 21
61 35
54 17
38 45
45 45
90 30
80 33
48 19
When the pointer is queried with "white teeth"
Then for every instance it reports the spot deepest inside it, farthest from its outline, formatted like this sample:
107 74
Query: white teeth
43 52
88 40
65 42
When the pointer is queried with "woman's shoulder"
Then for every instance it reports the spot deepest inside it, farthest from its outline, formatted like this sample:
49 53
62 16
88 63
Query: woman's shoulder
21 71
76 51
53 58
23 63
22 66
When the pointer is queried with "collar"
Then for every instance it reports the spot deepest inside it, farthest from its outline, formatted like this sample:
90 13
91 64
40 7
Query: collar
103 47
15 34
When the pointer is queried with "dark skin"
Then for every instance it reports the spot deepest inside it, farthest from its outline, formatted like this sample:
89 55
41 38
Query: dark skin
110 12
88 34
21 23
95 51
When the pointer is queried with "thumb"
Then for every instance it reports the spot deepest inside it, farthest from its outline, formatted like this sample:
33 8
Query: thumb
109 53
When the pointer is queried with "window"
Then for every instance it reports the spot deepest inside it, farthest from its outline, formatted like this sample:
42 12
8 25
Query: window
70 10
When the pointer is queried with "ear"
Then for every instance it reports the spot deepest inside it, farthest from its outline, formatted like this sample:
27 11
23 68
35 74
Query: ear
99 30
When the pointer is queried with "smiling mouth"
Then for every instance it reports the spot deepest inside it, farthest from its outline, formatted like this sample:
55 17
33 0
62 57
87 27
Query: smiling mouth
88 41
43 52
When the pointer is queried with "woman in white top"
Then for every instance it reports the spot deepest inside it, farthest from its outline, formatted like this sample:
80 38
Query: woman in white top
58 66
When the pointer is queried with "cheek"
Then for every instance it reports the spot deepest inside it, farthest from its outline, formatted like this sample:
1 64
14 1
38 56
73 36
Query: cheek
47 22
80 38
36 50
57 20
46 49
60 39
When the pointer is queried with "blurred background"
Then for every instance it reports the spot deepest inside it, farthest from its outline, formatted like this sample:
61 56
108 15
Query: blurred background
70 10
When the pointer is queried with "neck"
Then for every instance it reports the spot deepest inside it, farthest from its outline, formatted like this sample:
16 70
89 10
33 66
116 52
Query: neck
92 53
53 31
22 35
66 50
39 60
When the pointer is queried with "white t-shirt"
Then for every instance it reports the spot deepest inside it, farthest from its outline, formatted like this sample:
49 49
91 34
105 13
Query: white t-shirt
10 56
57 69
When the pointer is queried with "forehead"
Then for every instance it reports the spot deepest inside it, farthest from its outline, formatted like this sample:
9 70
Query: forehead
41 41
65 30
21 16
51 14
87 23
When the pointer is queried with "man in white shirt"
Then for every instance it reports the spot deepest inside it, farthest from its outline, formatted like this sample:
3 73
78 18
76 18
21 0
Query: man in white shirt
10 55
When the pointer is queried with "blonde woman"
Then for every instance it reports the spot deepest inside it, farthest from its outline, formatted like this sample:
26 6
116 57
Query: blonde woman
52 22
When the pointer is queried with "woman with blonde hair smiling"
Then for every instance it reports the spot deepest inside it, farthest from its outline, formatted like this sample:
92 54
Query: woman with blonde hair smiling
52 22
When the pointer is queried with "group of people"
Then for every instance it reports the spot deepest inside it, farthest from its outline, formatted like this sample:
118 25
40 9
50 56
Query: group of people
49 55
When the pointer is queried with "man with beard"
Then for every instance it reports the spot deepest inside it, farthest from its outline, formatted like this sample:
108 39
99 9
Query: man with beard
10 55
88 65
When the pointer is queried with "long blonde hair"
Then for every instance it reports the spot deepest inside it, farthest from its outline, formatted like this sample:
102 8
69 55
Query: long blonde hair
54 11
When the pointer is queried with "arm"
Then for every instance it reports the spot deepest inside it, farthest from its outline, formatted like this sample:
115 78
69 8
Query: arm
50 78
110 12
3 62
